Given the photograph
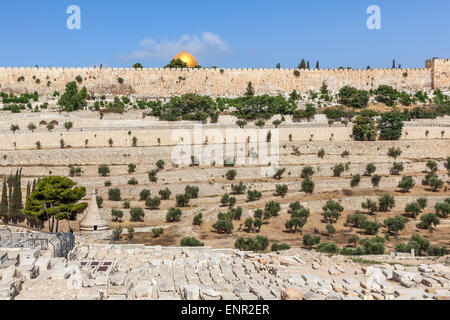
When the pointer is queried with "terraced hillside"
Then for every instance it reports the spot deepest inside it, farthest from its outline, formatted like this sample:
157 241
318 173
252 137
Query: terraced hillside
119 141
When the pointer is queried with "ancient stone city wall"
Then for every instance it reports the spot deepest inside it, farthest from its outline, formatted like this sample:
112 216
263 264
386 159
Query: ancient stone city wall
161 83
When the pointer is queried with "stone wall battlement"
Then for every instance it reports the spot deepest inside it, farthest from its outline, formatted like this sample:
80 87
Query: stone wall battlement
158 82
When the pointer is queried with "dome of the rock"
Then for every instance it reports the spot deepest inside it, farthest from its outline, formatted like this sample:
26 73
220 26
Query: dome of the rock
187 58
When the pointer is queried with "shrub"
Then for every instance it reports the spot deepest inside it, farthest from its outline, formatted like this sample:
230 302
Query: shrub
191 192
99 200
370 169
133 182
173 215
238 188
160 164
357 220
253 195
182 200
165 194
198 219
279 174
153 203
397 168
307 172
223 226
327 247
114 194
372 246
131 168
252 244
157 232
273 208
308 186
356 179
108 183
338 170
281 190
103 170
422 202
394 152
353 239
321 153
310 240
437 251
116 233
152 176
330 229
432 165
371 227
280 247
137 214
376 179
191 242
116 215
144 194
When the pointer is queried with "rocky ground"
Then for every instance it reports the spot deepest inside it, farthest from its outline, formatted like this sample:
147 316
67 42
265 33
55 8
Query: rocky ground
129 272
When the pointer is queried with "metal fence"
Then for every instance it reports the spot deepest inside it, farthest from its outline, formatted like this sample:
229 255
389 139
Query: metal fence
61 243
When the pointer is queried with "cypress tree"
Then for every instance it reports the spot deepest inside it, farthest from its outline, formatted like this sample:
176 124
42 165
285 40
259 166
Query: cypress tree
4 204
307 65
317 65
302 64
28 189
393 64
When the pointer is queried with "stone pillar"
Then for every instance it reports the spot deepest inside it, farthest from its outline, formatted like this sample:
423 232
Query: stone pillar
413 253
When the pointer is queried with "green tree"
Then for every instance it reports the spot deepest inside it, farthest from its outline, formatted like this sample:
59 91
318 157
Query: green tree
307 172
103 170
191 242
309 240
395 224
412 209
406 184
137 215
116 215
72 99
281 190
370 169
332 211
153 203
176 63
427 221
386 203
173 215
364 129
308 186
370 206
55 198
391 126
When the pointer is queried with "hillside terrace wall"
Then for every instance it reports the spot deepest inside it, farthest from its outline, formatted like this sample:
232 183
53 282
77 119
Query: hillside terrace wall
412 149
163 83
99 138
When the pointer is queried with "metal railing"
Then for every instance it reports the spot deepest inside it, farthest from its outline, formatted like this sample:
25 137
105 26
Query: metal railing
62 243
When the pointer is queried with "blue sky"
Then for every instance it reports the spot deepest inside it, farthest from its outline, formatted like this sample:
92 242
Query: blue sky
231 33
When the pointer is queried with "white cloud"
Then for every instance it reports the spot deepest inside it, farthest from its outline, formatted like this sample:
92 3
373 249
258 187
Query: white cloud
205 46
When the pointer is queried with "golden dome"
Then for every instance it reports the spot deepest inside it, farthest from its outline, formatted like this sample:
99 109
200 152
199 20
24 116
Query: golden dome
187 58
